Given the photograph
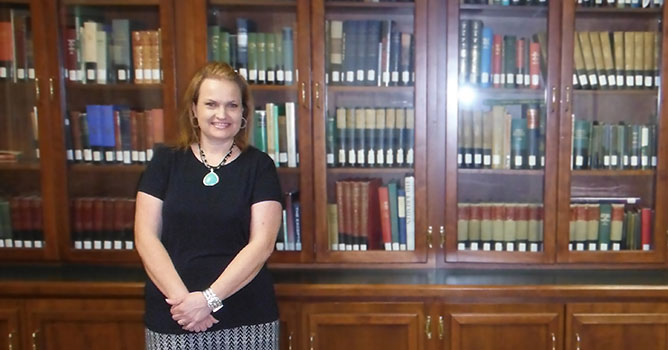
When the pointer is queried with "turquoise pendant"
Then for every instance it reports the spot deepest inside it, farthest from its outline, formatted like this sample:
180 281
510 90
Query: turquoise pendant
210 179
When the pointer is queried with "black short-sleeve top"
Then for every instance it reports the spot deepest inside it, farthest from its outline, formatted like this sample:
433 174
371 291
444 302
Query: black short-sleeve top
203 229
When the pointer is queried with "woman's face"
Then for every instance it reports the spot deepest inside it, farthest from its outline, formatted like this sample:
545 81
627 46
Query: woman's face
218 110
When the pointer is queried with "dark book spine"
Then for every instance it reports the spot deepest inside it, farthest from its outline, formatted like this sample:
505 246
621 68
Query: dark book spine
509 57
330 145
464 51
581 134
518 142
475 52
533 137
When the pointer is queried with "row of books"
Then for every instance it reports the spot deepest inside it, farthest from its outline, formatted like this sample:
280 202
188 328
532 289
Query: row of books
105 53
487 59
103 223
17 59
371 137
368 52
369 215
21 223
610 226
500 226
113 134
620 3
508 136
274 131
290 234
613 60
507 2
598 145
261 58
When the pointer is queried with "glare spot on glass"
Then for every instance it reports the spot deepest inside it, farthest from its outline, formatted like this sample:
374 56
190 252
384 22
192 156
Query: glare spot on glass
467 95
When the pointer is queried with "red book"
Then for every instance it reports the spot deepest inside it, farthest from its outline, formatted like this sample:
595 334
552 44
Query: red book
341 210
16 216
108 222
37 218
497 53
119 221
646 228
117 136
356 214
519 62
371 226
6 49
71 64
385 223
534 65
77 223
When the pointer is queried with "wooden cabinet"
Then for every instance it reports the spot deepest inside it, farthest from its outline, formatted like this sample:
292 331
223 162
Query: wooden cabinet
10 324
491 108
289 328
616 326
349 325
85 324
499 326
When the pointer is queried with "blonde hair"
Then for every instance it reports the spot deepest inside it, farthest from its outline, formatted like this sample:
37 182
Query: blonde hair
188 131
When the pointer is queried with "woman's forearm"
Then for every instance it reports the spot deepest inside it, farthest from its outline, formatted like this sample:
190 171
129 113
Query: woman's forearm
159 267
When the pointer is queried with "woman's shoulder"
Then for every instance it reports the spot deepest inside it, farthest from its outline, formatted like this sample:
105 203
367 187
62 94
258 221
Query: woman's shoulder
256 156
163 153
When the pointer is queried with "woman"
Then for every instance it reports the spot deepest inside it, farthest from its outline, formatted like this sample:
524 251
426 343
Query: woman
208 212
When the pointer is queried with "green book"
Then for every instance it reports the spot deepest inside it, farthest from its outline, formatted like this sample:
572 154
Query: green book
621 149
330 140
261 58
518 142
369 135
260 130
270 48
351 156
533 137
652 146
214 43
604 226
342 136
394 219
645 147
5 222
633 144
595 152
225 47
477 137
606 145
380 136
252 57
360 136
581 134
280 73
510 60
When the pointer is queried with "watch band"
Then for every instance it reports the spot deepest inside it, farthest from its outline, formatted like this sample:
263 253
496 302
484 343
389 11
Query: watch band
212 300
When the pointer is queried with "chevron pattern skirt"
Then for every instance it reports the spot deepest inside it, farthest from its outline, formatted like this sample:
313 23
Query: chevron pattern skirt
254 337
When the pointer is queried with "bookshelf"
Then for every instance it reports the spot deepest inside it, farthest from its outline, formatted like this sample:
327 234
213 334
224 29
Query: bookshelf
445 99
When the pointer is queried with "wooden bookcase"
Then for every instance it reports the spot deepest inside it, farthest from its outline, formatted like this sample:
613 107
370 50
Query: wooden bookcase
435 97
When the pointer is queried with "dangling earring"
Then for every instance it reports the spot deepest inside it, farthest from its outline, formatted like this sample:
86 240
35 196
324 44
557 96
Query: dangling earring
194 123
244 123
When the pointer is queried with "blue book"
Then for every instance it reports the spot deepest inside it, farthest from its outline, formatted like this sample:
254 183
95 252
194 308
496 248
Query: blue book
505 2
401 217
126 135
107 135
486 57
288 61
242 46
94 131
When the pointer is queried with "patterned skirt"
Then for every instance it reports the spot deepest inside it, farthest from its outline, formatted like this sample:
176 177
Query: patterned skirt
254 337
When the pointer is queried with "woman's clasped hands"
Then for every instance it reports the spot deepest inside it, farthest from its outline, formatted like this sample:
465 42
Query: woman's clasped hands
191 312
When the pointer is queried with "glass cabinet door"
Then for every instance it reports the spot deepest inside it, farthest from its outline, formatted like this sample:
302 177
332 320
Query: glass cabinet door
612 118
369 114
504 124
267 42
22 230
115 73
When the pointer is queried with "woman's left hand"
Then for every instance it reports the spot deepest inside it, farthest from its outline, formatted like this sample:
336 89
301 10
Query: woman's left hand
190 310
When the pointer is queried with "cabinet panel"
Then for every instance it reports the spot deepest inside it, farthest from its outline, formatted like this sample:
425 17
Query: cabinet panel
363 326
502 98
503 327
10 331
289 328
268 44
610 207
86 324
617 326
370 130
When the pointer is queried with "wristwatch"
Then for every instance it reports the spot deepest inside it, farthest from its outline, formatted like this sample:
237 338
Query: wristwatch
212 300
